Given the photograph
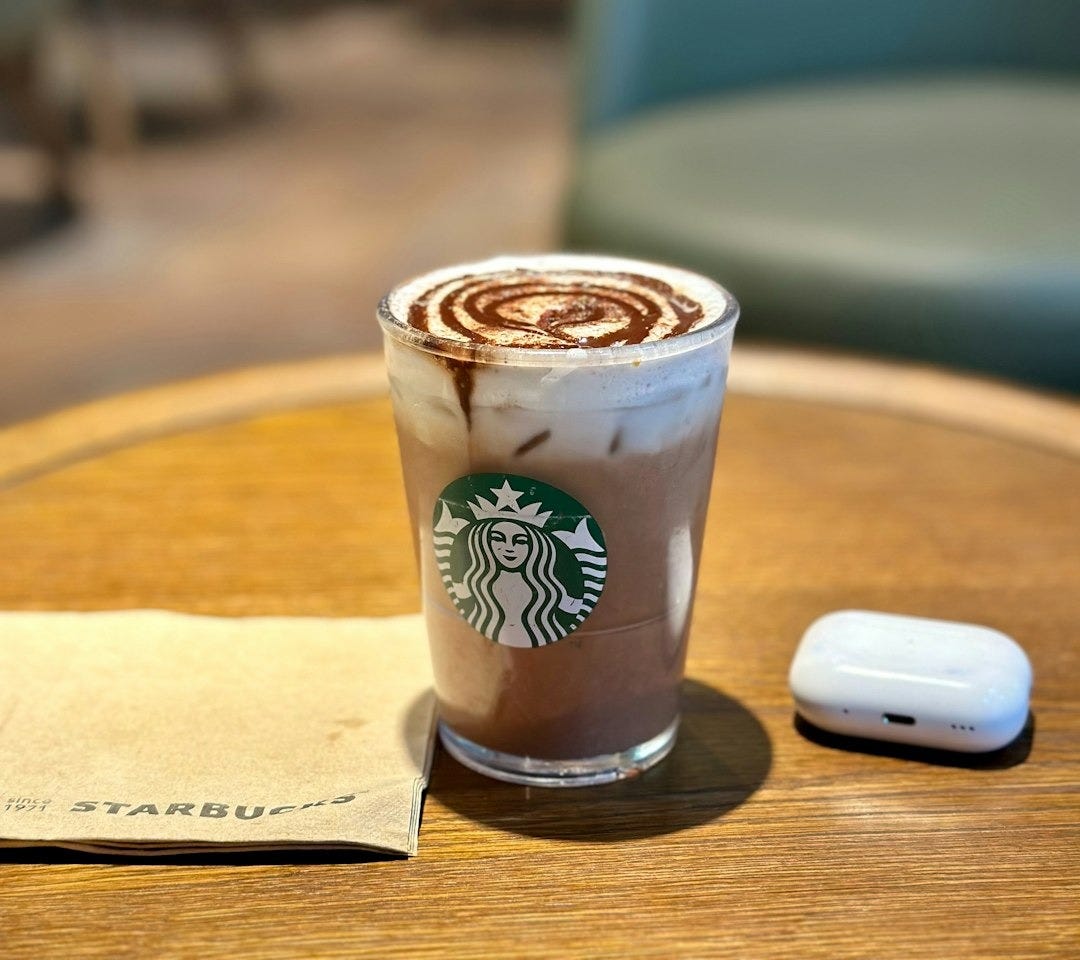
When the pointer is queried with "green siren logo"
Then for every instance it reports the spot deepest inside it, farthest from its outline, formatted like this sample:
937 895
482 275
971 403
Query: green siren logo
523 562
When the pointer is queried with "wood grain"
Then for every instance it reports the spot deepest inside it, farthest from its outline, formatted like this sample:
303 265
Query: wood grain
750 841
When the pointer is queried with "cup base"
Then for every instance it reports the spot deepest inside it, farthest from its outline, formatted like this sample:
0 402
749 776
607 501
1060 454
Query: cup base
584 772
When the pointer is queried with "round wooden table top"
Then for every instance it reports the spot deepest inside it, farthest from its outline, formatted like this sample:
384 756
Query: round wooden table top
839 484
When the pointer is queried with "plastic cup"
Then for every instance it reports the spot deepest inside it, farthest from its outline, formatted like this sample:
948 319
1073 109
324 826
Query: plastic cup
557 500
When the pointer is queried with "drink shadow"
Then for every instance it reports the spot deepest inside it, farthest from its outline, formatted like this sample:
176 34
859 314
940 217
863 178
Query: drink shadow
721 758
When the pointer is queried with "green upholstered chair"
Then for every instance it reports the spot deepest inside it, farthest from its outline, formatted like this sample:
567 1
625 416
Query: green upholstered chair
891 176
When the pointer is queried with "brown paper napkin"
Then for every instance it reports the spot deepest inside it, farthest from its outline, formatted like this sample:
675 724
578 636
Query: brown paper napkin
153 732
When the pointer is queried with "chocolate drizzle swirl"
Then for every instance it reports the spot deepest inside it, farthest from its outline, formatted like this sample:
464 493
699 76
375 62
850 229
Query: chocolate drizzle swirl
555 309
463 375
533 442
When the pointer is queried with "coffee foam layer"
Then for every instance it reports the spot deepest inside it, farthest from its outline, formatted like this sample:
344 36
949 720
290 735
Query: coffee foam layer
583 411
557 302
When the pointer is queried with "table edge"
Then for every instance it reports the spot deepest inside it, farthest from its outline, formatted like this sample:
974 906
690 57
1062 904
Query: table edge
36 447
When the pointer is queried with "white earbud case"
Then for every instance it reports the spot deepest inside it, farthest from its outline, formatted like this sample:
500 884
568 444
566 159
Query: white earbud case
930 683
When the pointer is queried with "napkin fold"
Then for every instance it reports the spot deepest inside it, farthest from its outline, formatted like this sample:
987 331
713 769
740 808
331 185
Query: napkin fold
160 733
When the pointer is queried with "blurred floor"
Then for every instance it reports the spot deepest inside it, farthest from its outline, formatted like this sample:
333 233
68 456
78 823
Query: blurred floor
385 149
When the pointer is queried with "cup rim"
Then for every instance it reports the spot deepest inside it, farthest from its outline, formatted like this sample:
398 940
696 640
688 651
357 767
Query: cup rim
712 295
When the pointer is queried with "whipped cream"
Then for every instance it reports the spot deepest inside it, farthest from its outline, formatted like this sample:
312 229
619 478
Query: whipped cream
557 302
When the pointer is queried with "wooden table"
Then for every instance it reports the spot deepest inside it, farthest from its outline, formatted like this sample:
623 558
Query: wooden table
839 484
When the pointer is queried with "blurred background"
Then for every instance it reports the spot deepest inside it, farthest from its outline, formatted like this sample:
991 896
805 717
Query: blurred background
189 186
241 182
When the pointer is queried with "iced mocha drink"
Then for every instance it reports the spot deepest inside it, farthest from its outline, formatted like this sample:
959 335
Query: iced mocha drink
557 418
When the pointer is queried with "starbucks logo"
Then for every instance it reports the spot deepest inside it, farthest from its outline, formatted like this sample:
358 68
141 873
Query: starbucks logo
523 562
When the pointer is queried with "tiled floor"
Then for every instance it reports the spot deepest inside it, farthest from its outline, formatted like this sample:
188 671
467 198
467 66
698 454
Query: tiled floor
387 148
